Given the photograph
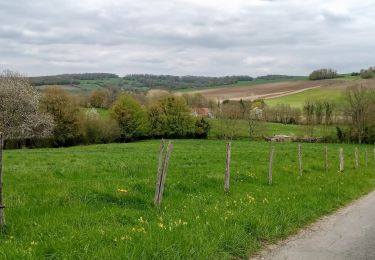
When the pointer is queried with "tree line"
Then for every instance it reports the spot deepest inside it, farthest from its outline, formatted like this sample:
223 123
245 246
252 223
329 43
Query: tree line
56 118
149 81
331 74
69 79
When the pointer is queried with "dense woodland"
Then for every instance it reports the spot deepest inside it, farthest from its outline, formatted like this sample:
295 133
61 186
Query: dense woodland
148 81
69 79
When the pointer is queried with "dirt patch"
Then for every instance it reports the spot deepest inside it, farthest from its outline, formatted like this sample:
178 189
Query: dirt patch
275 94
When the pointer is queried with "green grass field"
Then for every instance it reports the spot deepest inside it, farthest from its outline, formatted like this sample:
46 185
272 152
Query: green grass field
96 202
298 99
241 129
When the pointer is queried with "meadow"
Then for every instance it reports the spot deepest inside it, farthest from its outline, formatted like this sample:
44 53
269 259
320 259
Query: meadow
96 202
299 99
267 129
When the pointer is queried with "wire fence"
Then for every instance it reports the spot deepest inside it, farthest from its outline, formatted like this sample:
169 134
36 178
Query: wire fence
327 153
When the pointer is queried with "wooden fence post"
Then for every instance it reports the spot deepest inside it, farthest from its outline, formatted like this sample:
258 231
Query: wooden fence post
160 170
2 207
270 165
227 168
356 157
300 159
326 158
164 173
341 155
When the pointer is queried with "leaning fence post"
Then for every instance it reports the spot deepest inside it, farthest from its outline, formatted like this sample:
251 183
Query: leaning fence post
164 173
270 165
2 207
356 157
341 155
300 159
326 158
160 170
227 168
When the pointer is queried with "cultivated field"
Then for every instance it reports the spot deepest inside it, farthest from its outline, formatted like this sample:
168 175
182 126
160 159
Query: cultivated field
267 90
292 92
96 202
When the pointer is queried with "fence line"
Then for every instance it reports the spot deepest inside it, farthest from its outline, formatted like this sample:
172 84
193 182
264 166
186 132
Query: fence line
227 168
2 207
163 165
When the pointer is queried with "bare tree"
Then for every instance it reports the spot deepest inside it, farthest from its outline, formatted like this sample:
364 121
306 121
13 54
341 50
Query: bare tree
255 121
358 103
19 108
309 111
229 115
319 111
329 108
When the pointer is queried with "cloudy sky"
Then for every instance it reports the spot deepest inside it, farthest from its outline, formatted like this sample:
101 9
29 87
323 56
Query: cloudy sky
186 37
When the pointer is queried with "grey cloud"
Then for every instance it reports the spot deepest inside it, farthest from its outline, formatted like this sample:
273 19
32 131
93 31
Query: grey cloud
185 36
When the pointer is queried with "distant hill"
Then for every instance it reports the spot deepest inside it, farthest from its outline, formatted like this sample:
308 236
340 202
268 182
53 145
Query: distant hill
69 79
90 81
280 77
178 82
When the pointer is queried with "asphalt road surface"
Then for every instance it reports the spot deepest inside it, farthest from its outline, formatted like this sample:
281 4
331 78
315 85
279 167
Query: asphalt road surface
347 234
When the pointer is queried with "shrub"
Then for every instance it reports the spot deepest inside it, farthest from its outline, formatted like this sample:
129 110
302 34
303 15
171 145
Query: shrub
99 99
202 127
368 74
171 117
58 103
131 117
96 129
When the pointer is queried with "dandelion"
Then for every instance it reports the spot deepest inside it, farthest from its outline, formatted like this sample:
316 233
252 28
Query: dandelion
126 237
122 190
161 225
250 198
33 243
141 220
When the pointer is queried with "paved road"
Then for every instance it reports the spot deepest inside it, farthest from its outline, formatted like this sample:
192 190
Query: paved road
347 234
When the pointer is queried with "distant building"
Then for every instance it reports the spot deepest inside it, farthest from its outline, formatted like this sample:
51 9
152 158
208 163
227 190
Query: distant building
281 138
203 112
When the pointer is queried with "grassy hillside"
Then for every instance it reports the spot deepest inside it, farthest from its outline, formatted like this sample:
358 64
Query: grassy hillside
241 129
95 202
298 99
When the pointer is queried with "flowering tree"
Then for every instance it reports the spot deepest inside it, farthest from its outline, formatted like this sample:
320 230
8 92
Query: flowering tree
19 109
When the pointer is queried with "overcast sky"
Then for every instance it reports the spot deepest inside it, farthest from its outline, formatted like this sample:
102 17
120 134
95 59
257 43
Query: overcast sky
186 37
